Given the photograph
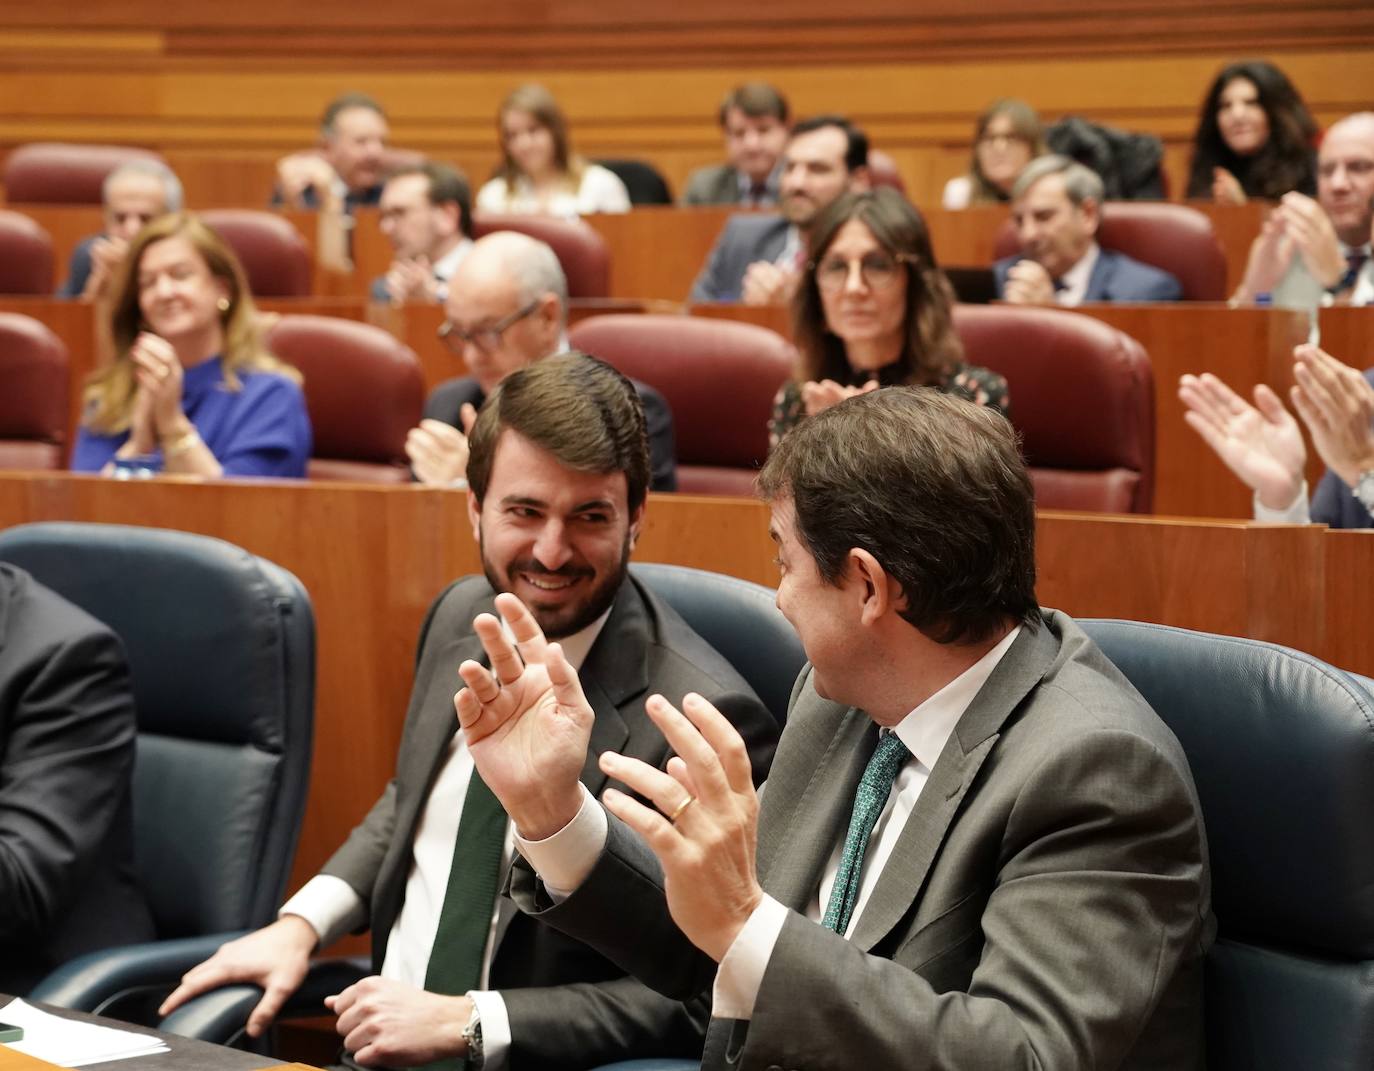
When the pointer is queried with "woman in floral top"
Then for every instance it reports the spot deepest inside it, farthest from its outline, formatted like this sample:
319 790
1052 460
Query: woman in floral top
874 310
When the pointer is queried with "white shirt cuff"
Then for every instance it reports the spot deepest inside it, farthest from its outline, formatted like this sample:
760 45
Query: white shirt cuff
330 905
741 970
564 860
1295 513
491 1010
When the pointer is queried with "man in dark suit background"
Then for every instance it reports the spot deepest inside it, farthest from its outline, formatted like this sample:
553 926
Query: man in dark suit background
757 259
978 848
753 118
66 754
559 474
1056 207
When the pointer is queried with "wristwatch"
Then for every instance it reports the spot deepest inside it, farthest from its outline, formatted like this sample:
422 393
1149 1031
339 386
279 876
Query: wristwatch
1364 490
472 1034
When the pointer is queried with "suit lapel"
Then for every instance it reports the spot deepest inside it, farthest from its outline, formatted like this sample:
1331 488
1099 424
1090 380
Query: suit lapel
927 827
774 241
1100 279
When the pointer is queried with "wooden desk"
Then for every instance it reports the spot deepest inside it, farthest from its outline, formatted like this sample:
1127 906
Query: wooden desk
372 558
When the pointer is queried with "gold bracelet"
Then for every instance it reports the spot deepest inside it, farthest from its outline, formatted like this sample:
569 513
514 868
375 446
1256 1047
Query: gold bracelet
181 445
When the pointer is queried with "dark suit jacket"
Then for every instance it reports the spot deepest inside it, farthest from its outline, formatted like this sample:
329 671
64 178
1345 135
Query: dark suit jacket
745 239
1047 904
67 885
1333 502
78 269
1115 277
446 401
568 1006
719 185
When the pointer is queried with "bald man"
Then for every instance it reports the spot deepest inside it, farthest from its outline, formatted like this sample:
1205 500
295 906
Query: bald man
507 307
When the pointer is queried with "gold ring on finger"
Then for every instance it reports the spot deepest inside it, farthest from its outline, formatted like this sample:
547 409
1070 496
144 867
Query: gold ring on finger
681 808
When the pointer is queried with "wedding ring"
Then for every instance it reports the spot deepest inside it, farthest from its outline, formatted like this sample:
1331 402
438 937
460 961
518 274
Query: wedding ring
681 807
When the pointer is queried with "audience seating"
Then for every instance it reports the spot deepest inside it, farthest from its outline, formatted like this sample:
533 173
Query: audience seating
33 403
1082 399
364 390
1281 747
719 378
645 183
583 253
26 256
274 256
883 171
54 172
221 648
1176 238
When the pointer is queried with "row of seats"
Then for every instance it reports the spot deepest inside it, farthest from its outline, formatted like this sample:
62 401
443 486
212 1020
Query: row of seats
1279 744
1082 395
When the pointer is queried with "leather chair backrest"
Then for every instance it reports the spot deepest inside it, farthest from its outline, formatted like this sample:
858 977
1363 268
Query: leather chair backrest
1176 238
1082 398
33 401
274 256
644 182
1281 747
54 172
26 256
221 648
364 390
584 255
882 171
719 378
740 620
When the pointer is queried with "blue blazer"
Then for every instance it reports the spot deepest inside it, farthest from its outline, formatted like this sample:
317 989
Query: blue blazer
746 238
1115 277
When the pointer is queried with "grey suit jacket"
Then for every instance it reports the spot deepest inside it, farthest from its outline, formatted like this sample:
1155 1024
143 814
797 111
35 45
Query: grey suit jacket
1046 906
745 239
1115 277
569 1007
719 185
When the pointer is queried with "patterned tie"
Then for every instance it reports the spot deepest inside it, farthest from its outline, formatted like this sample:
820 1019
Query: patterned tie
1354 261
874 787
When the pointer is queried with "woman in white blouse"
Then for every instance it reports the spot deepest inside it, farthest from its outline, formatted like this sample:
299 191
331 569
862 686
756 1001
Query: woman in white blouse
539 171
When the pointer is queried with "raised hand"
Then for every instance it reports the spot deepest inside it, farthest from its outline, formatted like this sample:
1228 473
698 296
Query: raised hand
1028 283
158 373
818 397
766 284
438 453
1226 189
1336 403
1260 443
526 720
1308 225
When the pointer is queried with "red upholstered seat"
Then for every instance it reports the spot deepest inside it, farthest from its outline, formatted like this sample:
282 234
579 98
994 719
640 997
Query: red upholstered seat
719 378
54 172
273 254
26 256
1082 399
585 257
364 390
1176 238
33 399
882 171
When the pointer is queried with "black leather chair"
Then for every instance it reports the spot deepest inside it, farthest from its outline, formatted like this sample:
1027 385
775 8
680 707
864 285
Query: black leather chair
643 182
221 648
1282 749
736 617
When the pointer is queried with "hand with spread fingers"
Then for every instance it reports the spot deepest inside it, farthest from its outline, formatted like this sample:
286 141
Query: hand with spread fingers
1336 403
1260 443
526 720
705 827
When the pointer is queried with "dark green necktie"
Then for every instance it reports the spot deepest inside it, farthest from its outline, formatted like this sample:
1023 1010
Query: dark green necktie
874 787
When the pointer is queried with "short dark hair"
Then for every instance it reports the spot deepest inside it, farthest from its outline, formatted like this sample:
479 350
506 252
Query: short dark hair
756 100
345 102
447 186
934 487
576 407
856 148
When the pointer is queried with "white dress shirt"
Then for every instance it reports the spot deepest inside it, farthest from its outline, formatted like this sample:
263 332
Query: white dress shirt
1075 280
332 907
600 191
564 860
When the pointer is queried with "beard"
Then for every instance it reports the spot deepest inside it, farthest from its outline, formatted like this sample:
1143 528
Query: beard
559 620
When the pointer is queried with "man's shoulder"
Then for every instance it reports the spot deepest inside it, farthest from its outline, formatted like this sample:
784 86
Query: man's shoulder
1134 278
678 657
713 184
750 228
34 616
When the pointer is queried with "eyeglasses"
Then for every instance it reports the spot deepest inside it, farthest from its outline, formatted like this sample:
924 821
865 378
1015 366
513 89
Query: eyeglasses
1003 140
878 271
485 339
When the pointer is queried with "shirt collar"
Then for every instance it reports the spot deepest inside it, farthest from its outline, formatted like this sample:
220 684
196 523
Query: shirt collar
1075 280
926 730
446 265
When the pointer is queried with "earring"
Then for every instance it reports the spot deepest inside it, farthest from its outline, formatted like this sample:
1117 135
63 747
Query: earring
222 304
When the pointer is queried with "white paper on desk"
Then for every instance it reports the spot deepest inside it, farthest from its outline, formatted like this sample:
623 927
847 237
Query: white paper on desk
69 1043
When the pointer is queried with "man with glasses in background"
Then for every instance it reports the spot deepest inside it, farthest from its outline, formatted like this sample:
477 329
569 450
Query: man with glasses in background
507 307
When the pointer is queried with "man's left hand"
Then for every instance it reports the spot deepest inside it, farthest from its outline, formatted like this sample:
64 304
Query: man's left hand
1307 223
385 1023
412 280
707 849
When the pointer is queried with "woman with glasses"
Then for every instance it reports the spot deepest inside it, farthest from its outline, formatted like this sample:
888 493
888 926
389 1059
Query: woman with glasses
539 172
874 310
1255 138
1007 137
191 389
